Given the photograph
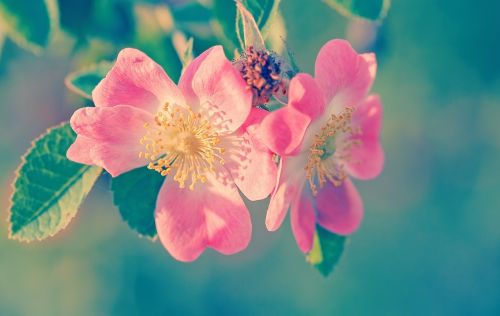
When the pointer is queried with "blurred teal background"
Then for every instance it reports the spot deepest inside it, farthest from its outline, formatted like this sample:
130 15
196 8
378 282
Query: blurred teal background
430 240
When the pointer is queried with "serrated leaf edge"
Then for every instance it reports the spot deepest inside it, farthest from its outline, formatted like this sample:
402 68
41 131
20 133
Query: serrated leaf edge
11 234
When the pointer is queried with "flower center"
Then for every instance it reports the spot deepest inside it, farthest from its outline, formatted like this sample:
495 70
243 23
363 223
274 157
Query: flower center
329 150
183 141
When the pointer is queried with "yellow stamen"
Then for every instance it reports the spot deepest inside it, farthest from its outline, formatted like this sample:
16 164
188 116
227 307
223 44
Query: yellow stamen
326 155
184 141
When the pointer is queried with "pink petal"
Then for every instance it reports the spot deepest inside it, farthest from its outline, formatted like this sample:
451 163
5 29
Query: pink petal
252 127
343 74
254 119
367 158
291 180
109 137
305 96
283 130
250 163
136 80
80 150
187 77
252 169
371 60
340 209
303 220
212 215
212 83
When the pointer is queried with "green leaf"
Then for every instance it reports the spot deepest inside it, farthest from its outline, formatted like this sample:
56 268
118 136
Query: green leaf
276 36
153 35
83 81
225 19
183 47
250 30
327 250
263 11
48 188
367 9
28 22
135 193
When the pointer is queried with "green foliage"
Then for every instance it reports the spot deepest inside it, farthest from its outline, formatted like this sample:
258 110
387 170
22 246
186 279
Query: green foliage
135 193
153 35
112 20
2 42
28 22
184 48
187 57
75 15
326 251
192 12
248 31
48 188
263 11
83 81
367 9
225 15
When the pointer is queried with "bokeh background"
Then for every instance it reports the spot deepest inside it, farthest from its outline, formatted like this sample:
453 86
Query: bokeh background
430 240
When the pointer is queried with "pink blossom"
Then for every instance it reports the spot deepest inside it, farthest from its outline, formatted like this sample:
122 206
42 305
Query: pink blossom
328 131
197 133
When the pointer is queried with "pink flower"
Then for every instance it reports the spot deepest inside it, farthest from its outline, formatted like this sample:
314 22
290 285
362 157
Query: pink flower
329 130
197 133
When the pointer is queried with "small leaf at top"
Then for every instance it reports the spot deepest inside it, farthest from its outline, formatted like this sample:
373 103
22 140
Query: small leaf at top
83 81
327 250
135 193
263 12
28 22
250 30
367 9
48 189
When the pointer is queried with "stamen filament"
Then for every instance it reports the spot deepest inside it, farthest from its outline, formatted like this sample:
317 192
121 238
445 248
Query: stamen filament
326 156
184 141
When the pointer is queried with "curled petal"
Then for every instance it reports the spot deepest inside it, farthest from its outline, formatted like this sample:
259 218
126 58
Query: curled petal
136 80
212 215
212 83
109 137
305 96
340 209
342 74
283 130
80 150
